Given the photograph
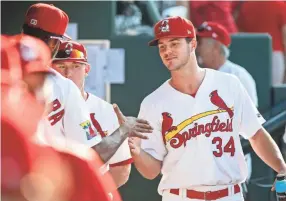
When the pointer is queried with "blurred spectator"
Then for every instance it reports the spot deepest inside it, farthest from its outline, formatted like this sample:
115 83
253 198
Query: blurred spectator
267 17
128 20
163 5
128 15
213 52
216 11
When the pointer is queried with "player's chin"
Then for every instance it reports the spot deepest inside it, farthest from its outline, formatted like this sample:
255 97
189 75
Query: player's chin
170 65
173 67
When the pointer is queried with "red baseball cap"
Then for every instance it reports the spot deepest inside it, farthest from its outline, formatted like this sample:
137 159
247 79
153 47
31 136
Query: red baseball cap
71 51
173 27
48 18
216 31
25 54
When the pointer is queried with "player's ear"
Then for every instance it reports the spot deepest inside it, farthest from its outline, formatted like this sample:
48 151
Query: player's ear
87 69
194 44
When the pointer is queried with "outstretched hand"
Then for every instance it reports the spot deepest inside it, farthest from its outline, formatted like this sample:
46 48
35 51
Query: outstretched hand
135 127
120 116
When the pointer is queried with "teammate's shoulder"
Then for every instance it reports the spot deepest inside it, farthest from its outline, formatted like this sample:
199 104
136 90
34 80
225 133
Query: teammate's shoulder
157 94
222 76
65 85
93 99
237 68
56 77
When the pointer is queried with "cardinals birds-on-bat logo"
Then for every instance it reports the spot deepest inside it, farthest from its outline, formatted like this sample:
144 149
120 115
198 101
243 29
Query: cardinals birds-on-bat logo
218 101
165 26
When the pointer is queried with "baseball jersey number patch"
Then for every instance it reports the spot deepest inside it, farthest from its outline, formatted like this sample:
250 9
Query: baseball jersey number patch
228 148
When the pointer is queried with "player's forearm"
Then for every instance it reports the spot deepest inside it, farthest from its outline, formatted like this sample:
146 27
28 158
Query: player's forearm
147 165
109 145
120 174
266 148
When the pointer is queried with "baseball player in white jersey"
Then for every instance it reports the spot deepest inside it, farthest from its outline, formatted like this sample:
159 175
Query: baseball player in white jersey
71 62
68 115
197 117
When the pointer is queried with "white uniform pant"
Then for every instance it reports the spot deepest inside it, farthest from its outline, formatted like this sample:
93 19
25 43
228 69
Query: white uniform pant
167 196
278 68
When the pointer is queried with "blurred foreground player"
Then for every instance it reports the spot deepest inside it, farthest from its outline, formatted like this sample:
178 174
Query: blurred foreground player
31 171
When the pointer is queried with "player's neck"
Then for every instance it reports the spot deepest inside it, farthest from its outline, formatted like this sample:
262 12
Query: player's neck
84 94
188 79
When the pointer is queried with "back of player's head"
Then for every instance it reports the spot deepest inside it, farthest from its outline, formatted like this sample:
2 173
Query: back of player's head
43 20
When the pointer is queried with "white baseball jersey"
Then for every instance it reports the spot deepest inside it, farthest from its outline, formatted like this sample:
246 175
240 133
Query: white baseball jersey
104 120
244 77
68 114
197 138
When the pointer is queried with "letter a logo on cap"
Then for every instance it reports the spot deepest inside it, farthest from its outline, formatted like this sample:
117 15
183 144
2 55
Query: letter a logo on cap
165 26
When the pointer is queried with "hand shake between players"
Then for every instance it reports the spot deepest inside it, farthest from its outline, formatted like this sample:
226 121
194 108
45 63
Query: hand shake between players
134 126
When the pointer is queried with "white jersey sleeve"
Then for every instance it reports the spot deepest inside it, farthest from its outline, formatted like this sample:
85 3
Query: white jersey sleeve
154 145
250 118
76 121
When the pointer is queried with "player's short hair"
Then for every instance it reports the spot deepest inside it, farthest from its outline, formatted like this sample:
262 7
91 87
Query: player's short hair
224 51
36 32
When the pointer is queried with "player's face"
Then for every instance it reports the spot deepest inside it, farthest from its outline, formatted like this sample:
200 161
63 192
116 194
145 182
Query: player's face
72 70
206 51
174 52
